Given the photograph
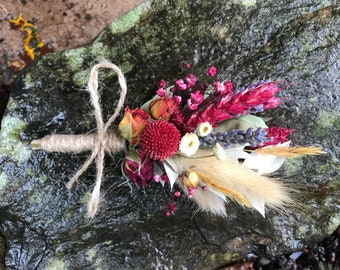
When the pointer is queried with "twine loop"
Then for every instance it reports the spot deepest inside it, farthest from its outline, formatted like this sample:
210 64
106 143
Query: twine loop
102 135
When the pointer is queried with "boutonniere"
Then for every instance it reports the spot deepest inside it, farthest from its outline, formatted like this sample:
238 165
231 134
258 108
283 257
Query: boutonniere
201 138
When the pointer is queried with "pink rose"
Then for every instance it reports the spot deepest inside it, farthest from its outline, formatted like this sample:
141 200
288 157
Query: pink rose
132 124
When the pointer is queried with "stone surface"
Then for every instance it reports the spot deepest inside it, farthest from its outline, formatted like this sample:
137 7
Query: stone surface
45 224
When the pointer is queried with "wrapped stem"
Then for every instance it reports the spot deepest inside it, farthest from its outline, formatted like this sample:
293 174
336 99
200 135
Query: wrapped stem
63 143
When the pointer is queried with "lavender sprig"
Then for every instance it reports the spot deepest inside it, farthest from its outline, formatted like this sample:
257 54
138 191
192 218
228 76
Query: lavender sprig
236 136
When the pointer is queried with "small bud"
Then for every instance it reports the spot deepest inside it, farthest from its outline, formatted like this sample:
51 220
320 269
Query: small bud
177 194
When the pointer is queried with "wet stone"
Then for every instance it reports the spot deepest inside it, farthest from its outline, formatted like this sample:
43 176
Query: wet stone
45 225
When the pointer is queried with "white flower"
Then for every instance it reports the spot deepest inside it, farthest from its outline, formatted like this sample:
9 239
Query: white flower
203 129
189 144
219 152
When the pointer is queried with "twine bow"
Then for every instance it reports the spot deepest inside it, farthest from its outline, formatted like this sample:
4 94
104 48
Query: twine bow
98 151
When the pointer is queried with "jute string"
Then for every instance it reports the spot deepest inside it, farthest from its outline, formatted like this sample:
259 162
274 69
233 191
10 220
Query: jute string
98 143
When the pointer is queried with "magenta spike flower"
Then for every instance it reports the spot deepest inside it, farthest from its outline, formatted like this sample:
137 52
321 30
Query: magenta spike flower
278 135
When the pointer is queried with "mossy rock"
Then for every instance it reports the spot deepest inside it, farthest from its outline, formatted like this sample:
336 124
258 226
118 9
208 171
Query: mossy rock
45 224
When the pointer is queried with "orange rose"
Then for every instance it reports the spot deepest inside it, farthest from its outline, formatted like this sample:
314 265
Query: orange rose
132 124
162 108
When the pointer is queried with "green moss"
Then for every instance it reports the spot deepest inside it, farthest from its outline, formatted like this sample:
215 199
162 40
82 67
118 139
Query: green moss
113 52
43 178
181 4
333 223
91 254
3 180
35 198
99 50
327 119
10 144
292 166
11 105
129 19
56 264
29 81
308 47
336 123
302 230
313 100
329 166
80 78
85 199
126 67
320 131
98 264
245 3
219 32
228 256
75 58
29 171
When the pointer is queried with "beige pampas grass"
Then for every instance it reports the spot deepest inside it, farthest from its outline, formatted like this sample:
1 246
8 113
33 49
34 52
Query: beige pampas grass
206 200
237 182
218 186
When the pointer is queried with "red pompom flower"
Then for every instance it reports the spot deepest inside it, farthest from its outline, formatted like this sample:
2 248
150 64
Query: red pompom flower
159 140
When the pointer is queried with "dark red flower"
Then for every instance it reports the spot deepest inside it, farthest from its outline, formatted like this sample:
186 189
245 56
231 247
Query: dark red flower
139 171
160 140
177 118
171 207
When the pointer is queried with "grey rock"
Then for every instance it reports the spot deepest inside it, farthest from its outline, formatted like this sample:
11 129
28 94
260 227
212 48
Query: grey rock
45 224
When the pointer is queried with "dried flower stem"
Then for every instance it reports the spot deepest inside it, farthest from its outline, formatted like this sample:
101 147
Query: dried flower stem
66 143
290 152
97 143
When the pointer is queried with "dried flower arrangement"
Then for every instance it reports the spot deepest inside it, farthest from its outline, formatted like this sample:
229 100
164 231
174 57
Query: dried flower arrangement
194 134
201 139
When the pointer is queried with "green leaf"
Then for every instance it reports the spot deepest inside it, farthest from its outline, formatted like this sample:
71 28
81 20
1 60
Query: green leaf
132 155
243 123
126 131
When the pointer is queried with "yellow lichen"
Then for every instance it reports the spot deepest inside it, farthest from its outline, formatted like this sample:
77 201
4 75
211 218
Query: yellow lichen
32 42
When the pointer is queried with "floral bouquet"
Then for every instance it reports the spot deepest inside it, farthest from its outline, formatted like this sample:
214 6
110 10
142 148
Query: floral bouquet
201 139
204 140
